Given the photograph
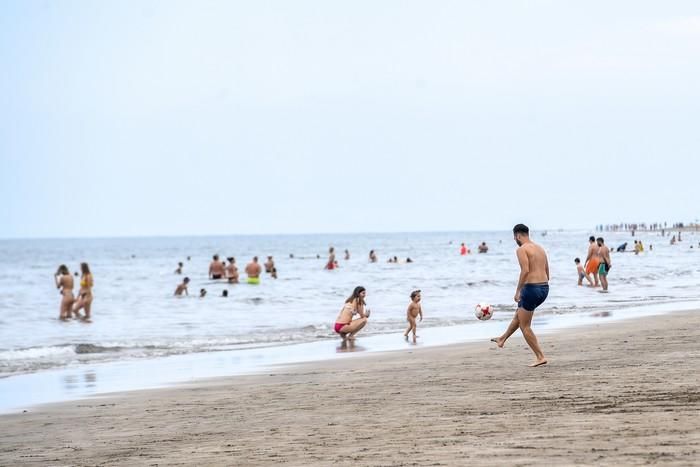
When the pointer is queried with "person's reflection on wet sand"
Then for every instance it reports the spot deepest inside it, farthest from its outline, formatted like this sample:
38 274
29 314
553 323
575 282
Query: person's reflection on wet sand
348 346
90 379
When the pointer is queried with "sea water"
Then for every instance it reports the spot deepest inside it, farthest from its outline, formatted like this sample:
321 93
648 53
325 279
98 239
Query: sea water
143 336
135 314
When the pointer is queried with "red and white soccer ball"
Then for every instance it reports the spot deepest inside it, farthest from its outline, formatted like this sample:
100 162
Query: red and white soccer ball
483 311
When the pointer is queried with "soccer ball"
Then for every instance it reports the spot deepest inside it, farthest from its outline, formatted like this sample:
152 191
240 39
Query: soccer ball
483 311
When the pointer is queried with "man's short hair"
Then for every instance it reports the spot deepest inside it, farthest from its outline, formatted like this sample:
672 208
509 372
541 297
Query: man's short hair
577 260
591 238
600 239
521 229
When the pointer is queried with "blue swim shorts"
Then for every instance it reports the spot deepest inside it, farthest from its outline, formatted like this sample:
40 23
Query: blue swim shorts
533 295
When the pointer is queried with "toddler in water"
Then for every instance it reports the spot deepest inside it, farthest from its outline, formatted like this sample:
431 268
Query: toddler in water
414 310
581 273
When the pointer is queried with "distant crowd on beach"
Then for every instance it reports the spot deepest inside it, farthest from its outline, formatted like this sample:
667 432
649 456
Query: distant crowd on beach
647 227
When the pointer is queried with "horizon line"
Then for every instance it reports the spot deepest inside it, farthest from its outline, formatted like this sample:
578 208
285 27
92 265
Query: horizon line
106 237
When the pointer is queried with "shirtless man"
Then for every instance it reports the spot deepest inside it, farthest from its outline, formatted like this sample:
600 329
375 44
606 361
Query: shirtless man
232 271
531 292
414 311
253 269
216 268
269 264
592 260
605 263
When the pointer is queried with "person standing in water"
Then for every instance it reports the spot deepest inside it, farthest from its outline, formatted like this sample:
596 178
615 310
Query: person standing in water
354 305
64 282
592 262
605 262
531 292
253 270
372 256
182 288
216 268
330 265
85 294
269 265
232 271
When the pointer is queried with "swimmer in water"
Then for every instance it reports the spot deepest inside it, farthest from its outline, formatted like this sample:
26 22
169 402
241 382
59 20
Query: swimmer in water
182 288
331 264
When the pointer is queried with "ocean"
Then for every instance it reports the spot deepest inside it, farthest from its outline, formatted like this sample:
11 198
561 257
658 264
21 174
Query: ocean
136 316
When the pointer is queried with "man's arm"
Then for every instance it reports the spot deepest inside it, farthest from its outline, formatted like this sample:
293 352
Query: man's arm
420 312
546 266
524 270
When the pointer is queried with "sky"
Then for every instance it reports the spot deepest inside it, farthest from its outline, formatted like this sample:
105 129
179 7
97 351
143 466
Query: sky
133 118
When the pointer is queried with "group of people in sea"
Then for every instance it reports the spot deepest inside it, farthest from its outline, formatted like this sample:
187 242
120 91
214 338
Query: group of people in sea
464 249
597 265
71 305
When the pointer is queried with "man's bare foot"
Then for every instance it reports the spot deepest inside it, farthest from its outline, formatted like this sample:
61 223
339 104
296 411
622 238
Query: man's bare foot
538 363
499 341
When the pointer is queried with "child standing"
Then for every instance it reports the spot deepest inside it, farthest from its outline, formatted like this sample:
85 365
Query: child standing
581 273
414 311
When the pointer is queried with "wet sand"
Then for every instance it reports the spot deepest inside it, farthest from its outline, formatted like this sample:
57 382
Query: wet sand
620 394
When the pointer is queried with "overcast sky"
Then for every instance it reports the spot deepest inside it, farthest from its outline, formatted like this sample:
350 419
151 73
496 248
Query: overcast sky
222 117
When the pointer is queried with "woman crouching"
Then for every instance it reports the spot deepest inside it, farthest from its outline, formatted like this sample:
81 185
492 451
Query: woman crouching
355 304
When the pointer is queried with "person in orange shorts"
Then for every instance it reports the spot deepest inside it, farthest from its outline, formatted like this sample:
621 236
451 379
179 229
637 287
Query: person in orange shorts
592 261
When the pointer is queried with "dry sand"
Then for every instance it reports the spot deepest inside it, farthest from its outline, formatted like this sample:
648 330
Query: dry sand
618 394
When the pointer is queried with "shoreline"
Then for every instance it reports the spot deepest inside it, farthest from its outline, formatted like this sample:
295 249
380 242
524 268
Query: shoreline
84 381
611 394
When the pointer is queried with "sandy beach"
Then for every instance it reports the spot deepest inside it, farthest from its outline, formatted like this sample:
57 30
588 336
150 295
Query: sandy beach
619 394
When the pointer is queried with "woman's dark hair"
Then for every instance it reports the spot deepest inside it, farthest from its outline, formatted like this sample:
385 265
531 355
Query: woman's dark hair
356 295
63 269
84 268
